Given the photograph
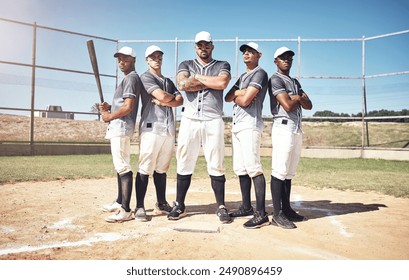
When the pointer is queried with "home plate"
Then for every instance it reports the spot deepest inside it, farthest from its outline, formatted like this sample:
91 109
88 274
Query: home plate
198 227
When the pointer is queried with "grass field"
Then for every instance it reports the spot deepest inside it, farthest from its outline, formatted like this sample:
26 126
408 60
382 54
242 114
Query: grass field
383 176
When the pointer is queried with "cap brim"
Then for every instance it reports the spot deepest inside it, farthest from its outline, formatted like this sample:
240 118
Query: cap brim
243 48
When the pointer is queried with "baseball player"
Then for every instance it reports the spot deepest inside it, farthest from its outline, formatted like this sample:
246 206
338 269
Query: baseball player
248 95
287 99
203 79
121 116
157 132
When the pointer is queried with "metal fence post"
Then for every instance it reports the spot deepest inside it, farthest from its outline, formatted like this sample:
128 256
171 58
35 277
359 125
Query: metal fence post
33 78
364 106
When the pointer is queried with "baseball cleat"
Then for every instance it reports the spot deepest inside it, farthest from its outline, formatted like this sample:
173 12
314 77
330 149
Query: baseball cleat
241 212
282 221
178 211
140 215
223 215
121 216
162 208
257 221
112 207
294 216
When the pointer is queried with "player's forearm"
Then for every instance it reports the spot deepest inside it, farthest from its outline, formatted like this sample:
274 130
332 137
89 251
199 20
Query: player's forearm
175 102
215 82
190 84
305 102
230 96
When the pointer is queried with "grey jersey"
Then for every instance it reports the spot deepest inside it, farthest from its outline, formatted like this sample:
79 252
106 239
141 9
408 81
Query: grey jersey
206 104
280 83
155 118
252 115
130 87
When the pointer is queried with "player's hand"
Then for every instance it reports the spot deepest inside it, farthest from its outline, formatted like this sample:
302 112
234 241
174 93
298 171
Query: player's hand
104 107
106 116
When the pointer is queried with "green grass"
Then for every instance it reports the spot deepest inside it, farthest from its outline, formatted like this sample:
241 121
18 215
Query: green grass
383 176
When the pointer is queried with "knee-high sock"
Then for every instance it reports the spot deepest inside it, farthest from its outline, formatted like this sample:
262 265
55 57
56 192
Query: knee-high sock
159 180
276 186
218 184
182 186
126 190
141 185
260 189
245 187
285 196
119 195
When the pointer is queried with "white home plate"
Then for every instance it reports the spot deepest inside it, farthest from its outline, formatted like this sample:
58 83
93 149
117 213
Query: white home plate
198 227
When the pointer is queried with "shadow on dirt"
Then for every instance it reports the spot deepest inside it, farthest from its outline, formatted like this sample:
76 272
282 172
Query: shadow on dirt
310 209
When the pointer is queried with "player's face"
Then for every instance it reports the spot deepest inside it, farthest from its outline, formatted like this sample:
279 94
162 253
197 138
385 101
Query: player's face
284 62
155 60
204 49
251 56
126 63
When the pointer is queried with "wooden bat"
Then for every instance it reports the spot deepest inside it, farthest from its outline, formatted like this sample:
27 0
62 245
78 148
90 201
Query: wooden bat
94 63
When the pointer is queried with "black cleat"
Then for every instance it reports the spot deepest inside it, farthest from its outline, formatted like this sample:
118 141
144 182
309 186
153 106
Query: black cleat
282 221
257 221
241 212
223 215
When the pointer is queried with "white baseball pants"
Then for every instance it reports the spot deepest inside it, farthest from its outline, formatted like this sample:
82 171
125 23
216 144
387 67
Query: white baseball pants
155 153
246 152
196 133
121 154
286 152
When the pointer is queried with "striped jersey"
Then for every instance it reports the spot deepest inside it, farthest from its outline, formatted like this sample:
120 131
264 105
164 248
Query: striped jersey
130 87
251 116
280 83
205 104
155 118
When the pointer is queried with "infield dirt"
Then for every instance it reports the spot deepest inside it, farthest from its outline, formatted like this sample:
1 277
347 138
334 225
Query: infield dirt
63 220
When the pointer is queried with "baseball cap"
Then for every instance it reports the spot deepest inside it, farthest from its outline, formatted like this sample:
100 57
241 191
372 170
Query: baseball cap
125 51
151 49
281 51
252 45
203 36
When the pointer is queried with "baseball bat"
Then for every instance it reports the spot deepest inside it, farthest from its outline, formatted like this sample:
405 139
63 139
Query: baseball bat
94 63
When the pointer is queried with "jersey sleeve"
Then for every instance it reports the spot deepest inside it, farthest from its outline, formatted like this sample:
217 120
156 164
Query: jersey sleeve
132 86
149 82
259 79
183 66
276 85
225 67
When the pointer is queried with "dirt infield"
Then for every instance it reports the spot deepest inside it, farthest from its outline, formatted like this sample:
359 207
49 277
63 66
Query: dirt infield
63 220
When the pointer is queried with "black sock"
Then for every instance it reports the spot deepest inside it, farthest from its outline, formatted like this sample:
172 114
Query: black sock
119 195
126 190
141 185
245 187
285 196
218 184
276 186
182 186
159 180
260 189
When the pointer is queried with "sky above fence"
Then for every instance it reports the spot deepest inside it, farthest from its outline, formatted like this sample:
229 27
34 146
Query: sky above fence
182 19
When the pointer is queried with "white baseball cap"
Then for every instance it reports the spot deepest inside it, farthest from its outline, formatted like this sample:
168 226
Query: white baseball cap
281 51
125 51
203 36
252 45
151 49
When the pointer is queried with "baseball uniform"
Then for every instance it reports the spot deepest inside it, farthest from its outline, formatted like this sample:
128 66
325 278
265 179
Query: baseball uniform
156 127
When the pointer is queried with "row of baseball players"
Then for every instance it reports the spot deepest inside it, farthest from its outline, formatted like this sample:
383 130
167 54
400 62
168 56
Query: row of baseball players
203 80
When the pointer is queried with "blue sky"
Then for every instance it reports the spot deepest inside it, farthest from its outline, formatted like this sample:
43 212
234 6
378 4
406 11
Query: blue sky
182 19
